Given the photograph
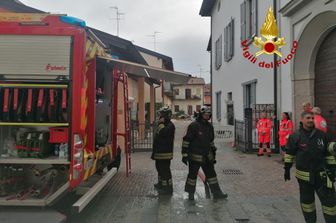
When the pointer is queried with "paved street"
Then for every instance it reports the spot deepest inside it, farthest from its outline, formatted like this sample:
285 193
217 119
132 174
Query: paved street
257 193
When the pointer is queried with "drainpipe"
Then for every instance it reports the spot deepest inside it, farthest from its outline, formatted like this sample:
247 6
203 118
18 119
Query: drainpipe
155 101
211 99
275 79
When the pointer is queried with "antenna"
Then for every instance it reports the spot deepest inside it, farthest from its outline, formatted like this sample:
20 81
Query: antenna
154 38
201 70
118 18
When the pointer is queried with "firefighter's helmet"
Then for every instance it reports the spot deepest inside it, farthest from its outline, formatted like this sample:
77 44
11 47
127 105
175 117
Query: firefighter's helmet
165 112
205 110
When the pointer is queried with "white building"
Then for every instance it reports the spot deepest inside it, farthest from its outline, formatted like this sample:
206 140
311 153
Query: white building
309 75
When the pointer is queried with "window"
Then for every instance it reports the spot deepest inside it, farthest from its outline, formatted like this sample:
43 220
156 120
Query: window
248 19
177 91
229 96
218 105
218 53
229 109
190 109
229 41
176 108
188 93
249 93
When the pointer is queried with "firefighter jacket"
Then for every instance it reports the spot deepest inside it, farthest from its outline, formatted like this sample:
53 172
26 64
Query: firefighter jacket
198 143
286 128
163 143
313 158
320 123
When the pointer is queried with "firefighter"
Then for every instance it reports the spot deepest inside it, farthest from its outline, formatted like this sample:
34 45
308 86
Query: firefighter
315 168
319 122
163 151
198 150
264 127
286 128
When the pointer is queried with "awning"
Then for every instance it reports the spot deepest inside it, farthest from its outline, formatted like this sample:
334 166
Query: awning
148 71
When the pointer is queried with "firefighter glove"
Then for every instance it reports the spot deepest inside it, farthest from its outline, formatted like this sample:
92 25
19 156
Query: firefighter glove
287 174
185 160
331 174
214 154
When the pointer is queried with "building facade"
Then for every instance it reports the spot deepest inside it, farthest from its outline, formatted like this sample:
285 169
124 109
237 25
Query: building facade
239 82
188 97
207 94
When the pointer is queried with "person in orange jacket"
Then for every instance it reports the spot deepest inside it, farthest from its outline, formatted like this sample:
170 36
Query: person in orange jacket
286 128
319 122
264 127
306 106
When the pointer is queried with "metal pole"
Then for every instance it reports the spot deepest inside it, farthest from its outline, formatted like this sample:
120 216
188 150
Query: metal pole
275 78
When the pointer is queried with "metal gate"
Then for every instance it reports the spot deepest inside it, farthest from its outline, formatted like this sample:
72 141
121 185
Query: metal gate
246 135
142 134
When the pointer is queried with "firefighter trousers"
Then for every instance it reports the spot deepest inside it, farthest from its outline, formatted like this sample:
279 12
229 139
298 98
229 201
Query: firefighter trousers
307 199
164 174
210 174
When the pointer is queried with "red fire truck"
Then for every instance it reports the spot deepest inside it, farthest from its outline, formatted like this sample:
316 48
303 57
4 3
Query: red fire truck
58 109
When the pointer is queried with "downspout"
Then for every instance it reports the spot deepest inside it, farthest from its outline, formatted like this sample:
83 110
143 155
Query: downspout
211 99
275 84
155 101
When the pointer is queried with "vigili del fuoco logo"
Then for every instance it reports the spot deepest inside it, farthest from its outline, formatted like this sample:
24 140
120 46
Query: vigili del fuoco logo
267 45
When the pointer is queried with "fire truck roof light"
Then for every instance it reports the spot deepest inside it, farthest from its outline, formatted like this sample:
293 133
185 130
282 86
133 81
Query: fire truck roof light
73 21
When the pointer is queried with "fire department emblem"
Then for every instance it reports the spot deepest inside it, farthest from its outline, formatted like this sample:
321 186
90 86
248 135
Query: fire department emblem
269 31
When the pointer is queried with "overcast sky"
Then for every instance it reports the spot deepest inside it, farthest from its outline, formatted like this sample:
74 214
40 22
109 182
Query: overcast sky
184 34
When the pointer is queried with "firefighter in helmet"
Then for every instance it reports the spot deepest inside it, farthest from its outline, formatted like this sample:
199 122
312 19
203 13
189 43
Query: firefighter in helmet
315 168
198 150
163 150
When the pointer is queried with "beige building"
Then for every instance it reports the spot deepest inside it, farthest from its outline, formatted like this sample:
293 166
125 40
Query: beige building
188 97
155 94
207 94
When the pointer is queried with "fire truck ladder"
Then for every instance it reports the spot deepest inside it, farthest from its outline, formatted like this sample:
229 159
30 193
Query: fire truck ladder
122 77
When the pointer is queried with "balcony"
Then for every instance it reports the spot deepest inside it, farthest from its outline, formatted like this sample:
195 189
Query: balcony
188 97
168 89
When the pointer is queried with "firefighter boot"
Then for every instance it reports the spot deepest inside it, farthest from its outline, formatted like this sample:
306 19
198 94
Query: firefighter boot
219 195
166 190
191 196
268 152
260 152
157 186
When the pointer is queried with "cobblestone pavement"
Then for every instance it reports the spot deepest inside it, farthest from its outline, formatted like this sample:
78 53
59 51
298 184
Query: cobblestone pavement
257 192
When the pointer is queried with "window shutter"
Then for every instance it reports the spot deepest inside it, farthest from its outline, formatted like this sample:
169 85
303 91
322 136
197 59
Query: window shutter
253 93
232 38
226 43
244 96
254 16
219 52
243 21
218 105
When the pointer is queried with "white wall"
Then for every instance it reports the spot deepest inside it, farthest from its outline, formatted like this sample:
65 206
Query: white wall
232 74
